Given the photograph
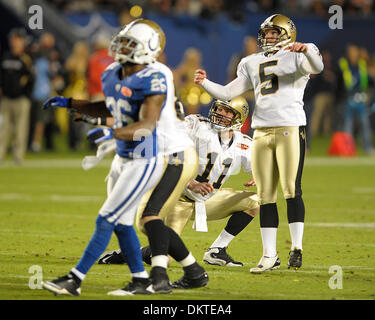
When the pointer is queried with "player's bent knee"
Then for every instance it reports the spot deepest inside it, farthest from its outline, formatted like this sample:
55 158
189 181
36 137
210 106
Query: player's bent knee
146 219
252 212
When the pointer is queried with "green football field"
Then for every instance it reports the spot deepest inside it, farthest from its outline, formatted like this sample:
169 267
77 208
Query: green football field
48 209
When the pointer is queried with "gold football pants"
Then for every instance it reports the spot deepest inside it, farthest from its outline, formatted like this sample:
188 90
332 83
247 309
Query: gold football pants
278 154
222 204
189 172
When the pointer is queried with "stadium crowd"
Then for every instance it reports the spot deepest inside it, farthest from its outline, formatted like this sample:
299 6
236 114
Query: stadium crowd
45 73
235 9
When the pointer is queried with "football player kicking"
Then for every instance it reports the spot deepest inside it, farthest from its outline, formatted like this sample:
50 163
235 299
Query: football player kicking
140 97
223 150
278 76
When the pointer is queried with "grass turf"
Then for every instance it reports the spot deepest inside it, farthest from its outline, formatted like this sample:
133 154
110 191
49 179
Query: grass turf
48 209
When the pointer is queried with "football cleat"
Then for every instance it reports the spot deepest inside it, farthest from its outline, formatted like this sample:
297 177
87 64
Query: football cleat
160 280
195 278
266 264
65 285
137 286
295 259
219 257
146 255
112 257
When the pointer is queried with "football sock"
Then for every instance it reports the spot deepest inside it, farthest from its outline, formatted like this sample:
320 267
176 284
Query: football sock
268 216
237 222
77 276
269 222
177 248
96 246
296 218
296 234
130 247
222 240
295 210
189 260
158 237
269 241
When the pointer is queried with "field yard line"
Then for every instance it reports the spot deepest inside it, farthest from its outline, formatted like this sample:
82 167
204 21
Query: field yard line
52 197
341 224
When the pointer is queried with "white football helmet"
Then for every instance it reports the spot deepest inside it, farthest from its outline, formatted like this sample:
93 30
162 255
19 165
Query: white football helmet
139 42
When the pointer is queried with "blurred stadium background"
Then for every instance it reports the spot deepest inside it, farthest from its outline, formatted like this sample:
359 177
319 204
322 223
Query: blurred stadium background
213 34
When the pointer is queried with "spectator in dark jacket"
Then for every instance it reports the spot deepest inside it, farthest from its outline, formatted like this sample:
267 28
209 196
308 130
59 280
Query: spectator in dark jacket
16 83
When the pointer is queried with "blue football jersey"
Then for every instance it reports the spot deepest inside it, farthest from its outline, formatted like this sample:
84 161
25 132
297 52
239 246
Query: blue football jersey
124 98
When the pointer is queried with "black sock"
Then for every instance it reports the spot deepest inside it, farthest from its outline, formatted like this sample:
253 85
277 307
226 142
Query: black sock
268 216
158 237
237 222
295 210
177 248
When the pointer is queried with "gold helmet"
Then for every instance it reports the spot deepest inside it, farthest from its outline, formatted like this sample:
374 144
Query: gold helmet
286 28
143 39
238 106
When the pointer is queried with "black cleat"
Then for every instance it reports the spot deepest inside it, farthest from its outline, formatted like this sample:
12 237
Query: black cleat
146 255
137 286
295 259
219 257
194 277
64 285
116 257
112 257
160 280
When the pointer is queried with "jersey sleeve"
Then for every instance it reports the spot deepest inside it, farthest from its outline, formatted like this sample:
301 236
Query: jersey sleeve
310 62
242 73
154 84
191 124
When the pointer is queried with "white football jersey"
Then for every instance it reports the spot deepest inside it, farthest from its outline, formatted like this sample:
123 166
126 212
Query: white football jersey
217 162
171 129
279 82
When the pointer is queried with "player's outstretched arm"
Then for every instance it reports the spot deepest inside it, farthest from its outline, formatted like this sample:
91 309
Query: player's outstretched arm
233 89
94 109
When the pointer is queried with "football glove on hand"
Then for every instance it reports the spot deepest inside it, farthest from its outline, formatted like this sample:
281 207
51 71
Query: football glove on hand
92 120
99 135
56 102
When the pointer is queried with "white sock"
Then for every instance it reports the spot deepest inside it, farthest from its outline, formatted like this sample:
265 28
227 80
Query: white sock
269 241
160 261
296 234
142 274
79 274
188 261
222 241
